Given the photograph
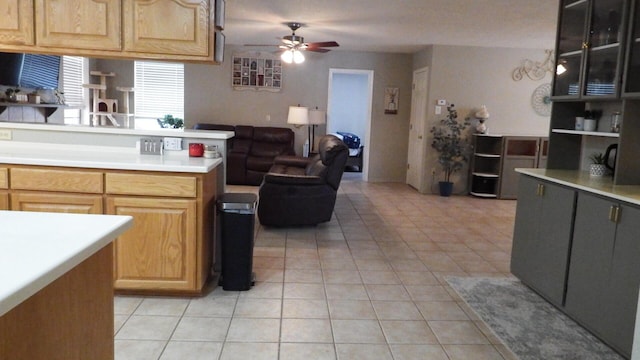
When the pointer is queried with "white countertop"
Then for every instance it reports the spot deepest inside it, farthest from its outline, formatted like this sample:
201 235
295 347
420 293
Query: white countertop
582 181
182 133
37 248
101 157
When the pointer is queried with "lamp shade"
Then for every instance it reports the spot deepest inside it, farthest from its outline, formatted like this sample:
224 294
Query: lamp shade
483 113
298 115
317 117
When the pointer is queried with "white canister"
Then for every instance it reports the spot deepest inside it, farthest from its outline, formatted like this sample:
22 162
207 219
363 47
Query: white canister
590 125
579 123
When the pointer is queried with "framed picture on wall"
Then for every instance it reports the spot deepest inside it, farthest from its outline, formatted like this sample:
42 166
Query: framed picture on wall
391 100
256 71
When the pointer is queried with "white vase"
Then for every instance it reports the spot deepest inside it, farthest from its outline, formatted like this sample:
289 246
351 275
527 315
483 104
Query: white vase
597 170
590 124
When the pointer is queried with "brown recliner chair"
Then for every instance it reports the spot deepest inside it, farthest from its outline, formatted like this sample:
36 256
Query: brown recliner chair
302 191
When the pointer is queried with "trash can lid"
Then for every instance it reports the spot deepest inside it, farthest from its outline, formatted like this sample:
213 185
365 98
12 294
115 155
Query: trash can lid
237 201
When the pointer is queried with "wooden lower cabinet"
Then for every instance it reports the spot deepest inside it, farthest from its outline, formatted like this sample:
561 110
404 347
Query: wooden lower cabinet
50 202
603 281
4 200
159 251
171 247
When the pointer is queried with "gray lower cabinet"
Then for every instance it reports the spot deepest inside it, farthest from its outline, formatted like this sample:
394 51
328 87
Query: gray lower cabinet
542 236
604 276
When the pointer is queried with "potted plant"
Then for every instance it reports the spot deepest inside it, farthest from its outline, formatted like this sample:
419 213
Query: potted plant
598 167
452 147
168 121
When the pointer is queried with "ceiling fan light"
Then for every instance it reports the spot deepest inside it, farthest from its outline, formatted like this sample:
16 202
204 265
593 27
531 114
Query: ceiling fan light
287 56
298 58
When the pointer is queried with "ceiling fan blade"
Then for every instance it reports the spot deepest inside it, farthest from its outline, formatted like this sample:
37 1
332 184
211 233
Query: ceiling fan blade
259 45
323 44
319 50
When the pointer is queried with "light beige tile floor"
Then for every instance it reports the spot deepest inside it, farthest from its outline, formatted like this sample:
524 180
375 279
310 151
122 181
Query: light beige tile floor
367 285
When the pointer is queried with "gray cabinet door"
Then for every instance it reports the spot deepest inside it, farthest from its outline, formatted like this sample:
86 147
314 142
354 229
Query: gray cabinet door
542 237
602 288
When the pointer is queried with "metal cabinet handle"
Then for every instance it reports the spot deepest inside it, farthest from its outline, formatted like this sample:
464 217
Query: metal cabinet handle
540 190
614 213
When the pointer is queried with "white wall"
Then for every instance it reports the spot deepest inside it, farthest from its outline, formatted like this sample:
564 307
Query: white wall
349 104
466 76
210 98
470 77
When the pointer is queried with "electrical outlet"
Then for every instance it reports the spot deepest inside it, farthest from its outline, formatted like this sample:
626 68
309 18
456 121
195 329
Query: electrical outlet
5 134
171 143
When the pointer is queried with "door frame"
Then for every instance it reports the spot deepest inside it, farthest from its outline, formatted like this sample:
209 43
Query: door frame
367 147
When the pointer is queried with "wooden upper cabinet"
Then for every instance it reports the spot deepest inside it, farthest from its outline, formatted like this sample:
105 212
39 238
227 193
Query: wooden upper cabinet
168 27
79 24
16 22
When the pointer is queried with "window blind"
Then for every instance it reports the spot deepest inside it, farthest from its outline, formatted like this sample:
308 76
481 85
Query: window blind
159 89
40 71
72 79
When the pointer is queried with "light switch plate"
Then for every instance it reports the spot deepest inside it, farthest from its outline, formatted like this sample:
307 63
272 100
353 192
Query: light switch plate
151 146
438 110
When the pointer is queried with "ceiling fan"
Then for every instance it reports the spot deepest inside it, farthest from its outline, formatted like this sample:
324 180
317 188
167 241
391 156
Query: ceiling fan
293 45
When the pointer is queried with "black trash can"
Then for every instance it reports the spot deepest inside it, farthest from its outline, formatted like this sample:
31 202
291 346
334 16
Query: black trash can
237 218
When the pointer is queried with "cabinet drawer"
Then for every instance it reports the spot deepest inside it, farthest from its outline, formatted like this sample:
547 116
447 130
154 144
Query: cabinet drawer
4 178
56 180
151 185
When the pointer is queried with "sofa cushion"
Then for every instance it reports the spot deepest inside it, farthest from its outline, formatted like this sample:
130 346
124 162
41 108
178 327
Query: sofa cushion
259 163
273 135
315 168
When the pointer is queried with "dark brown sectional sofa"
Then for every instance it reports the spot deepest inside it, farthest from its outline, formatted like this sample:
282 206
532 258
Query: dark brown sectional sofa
250 153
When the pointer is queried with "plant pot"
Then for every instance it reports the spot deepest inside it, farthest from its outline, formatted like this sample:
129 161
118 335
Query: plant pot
446 188
597 170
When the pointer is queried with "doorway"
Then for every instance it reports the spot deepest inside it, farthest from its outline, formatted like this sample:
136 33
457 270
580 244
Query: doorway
416 152
349 107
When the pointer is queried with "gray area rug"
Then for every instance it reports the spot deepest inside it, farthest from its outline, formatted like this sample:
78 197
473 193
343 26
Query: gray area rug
531 327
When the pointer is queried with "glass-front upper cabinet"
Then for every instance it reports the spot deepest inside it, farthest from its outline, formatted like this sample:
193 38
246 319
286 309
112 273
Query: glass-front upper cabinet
631 85
589 49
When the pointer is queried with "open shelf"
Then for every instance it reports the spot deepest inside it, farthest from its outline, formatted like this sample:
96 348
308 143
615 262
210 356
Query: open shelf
586 133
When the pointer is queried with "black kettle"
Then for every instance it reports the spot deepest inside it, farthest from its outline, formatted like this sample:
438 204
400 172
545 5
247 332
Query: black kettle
607 154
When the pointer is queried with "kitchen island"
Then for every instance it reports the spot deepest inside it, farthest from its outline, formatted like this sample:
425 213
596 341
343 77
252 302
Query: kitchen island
56 285
171 248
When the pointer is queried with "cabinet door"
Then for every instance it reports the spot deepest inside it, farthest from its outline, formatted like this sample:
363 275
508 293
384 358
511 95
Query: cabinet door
519 152
542 237
602 289
168 27
16 22
591 260
48 202
79 24
4 200
572 28
621 295
631 81
159 251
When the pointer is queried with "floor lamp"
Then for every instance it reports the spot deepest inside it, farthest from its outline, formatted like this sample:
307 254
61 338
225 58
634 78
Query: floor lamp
316 117
299 116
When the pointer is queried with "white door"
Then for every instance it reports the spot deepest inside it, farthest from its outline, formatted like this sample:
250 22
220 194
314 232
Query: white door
415 156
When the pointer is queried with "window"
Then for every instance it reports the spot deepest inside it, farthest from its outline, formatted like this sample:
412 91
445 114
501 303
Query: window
74 74
159 91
